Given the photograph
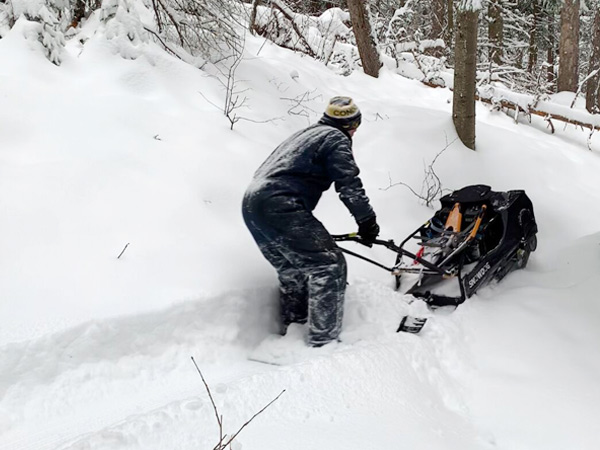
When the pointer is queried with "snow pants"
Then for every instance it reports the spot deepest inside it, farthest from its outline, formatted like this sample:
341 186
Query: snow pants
311 269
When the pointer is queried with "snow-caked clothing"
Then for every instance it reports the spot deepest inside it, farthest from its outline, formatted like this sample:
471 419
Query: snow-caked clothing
277 209
306 164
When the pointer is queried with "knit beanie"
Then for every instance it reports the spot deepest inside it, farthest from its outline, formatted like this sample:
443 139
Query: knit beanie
344 111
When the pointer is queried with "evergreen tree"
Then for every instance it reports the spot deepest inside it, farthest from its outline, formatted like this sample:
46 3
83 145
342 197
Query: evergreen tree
51 17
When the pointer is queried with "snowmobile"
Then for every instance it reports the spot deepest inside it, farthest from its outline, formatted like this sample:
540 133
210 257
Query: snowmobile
477 236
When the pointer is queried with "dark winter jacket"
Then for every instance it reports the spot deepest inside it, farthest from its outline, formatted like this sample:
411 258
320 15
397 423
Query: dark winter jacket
306 164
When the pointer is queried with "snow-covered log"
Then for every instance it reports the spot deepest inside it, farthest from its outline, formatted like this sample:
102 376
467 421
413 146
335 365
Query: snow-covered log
546 108
527 104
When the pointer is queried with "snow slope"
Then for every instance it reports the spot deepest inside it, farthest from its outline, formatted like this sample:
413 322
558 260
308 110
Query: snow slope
95 351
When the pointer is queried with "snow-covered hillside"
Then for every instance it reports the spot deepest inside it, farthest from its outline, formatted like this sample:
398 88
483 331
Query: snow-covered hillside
95 350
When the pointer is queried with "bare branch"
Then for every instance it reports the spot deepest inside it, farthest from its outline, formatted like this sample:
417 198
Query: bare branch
123 251
288 15
205 98
208 28
431 188
274 119
580 87
252 418
172 52
298 104
219 418
400 183
225 440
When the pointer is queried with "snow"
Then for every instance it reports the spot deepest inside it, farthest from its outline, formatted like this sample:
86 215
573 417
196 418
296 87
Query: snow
95 351
470 5
333 20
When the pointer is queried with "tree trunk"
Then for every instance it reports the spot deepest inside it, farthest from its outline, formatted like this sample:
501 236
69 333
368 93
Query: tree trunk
551 50
313 7
367 48
78 13
252 23
450 27
496 32
592 98
465 54
438 18
568 64
533 38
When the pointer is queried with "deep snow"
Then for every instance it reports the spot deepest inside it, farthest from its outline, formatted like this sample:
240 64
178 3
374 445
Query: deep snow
95 351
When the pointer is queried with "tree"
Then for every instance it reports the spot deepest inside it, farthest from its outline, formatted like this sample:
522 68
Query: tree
450 28
78 12
367 47
533 36
252 21
46 17
568 65
438 18
592 99
496 31
465 71
551 52
208 29
313 7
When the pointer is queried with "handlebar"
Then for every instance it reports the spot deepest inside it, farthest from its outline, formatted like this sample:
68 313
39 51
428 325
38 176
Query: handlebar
389 244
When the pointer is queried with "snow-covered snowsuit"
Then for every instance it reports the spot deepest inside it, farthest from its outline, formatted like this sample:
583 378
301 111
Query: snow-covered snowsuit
277 209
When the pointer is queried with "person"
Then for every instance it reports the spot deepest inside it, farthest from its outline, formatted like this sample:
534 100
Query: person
277 209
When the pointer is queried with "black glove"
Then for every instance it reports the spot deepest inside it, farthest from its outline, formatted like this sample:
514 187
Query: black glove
368 230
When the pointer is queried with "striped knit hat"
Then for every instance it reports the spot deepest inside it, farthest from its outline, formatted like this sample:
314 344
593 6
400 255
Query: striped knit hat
344 111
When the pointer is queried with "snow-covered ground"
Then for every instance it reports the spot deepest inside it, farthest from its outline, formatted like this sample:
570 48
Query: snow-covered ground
95 350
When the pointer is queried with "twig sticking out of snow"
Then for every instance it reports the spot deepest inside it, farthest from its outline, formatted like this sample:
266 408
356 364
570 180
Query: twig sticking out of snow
298 104
224 441
123 251
431 187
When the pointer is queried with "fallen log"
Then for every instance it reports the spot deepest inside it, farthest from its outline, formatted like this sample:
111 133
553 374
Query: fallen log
531 111
528 110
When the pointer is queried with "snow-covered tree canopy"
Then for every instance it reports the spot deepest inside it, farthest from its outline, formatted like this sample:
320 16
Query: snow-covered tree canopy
470 5
517 40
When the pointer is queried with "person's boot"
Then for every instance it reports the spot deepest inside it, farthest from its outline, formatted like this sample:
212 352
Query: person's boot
286 322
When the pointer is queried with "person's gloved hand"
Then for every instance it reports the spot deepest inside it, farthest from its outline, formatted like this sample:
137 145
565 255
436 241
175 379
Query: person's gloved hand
368 230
